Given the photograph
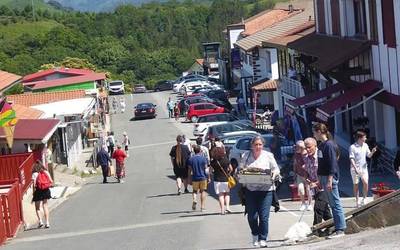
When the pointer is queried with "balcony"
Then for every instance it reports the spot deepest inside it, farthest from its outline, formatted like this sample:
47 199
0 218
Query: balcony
291 87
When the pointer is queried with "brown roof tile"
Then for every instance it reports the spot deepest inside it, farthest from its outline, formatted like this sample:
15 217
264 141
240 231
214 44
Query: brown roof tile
24 112
32 99
6 79
265 85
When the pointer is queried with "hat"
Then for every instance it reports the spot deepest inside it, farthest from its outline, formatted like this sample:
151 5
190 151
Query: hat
124 133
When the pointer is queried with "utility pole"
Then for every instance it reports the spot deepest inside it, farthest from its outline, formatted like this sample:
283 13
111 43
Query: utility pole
33 12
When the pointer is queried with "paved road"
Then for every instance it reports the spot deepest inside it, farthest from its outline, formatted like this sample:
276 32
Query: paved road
145 212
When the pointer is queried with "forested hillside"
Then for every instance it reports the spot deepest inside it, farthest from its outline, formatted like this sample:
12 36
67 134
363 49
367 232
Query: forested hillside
137 44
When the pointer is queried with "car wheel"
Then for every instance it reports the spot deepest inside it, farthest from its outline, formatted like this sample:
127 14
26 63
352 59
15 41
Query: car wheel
194 119
157 90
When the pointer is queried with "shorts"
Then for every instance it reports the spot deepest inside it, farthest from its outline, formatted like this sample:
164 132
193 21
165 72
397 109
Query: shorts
181 172
302 186
199 185
362 173
221 187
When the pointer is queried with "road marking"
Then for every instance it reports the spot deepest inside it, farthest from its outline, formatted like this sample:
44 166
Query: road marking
153 144
105 230
290 212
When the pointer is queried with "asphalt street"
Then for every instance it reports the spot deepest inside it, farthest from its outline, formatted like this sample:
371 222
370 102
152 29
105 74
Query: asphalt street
145 212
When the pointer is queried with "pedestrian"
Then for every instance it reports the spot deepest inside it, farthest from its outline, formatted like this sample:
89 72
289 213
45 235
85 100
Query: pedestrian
187 143
358 153
259 196
301 174
126 142
179 155
103 159
41 192
119 156
241 105
396 163
204 151
170 108
328 173
114 104
111 143
197 177
221 170
322 210
176 111
122 104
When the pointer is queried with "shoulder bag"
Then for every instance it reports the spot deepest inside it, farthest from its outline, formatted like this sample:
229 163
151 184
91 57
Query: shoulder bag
231 180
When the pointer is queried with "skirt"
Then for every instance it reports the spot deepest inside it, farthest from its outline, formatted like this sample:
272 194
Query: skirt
120 170
221 187
41 194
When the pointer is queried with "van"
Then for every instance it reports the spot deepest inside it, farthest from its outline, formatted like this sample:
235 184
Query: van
116 87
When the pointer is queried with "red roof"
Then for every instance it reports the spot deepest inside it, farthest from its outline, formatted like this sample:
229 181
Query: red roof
32 99
47 72
65 81
315 96
389 99
6 79
33 129
353 94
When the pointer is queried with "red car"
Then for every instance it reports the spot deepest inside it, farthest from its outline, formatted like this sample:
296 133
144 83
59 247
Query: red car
199 109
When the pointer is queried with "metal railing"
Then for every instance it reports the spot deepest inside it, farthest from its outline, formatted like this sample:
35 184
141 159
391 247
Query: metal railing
291 87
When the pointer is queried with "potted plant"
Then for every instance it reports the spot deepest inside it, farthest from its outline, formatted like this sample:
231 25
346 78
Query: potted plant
381 189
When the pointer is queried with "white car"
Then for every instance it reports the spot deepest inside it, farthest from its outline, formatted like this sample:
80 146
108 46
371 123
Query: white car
200 129
177 86
243 145
116 87
220 129
189 87
203 122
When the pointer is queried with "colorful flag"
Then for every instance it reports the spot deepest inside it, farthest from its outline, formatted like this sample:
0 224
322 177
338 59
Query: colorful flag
8 119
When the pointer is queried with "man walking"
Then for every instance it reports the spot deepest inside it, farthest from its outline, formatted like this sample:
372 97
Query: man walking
328 173
119 156
103 159
358 154
125 143
197 174
170 107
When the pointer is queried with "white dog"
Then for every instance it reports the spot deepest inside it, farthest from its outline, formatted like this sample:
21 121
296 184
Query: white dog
297 232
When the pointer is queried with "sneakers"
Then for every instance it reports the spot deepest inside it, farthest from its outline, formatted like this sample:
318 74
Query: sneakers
194 205
309 208
121 181
337 234
40 225
263 243
186 191
179 191
47 226
303 207
254 239
362 203
203 210
228 211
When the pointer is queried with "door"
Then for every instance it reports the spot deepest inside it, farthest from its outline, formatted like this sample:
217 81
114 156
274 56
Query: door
209 108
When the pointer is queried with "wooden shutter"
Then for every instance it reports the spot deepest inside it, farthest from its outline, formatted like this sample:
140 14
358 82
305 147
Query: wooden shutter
389 34
321 16
335 17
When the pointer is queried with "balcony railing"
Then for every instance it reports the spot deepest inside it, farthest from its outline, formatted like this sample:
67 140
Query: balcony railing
291 87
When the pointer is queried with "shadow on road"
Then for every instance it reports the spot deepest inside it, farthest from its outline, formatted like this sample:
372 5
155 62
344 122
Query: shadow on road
161 195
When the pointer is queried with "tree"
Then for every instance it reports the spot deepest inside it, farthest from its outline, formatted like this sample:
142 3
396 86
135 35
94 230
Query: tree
71 62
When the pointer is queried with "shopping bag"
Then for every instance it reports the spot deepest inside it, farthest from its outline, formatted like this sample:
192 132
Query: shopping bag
111 170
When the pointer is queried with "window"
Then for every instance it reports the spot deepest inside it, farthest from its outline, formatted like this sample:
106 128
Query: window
373 21
389 34
359 17
209 106
244 144
199 107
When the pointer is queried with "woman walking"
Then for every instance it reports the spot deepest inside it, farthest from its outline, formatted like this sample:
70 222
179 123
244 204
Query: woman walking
176 112
41 192
258 196
119 155
222 169
179 154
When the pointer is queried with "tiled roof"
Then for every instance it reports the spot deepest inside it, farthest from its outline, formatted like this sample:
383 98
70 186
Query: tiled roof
292 35
33 129
33 99
24 112
276 30
266 19
200 61
6 79
65 81
67 71
265 85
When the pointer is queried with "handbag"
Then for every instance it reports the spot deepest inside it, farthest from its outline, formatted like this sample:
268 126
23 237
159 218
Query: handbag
231 180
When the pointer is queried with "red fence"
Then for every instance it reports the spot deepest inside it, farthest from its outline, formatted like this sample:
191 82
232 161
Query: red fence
11 207
17 166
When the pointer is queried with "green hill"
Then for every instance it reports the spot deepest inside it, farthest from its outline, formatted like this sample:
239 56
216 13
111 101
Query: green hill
14 30
21 4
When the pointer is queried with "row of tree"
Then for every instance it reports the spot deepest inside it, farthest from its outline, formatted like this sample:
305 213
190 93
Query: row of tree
136 44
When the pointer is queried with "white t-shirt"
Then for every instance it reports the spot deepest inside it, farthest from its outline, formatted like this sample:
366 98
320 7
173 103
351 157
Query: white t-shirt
359 154
265 161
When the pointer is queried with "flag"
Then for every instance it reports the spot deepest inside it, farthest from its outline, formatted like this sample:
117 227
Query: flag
8 119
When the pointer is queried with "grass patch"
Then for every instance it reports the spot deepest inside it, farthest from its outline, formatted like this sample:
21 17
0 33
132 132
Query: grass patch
14 30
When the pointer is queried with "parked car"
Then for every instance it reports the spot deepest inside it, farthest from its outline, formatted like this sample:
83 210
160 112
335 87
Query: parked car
230 138
116 87
190 76
203 122
243 145
219 94
177 85
139 88
219 130
198 109
145 110
189 87
163 85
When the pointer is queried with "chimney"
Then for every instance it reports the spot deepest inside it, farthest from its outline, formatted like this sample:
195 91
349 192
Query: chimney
290 8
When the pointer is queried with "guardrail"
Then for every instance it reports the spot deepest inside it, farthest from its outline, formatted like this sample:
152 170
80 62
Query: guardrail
11 207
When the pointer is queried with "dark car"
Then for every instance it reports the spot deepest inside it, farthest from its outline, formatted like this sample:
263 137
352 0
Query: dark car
224 117
217 94
163 85
145 110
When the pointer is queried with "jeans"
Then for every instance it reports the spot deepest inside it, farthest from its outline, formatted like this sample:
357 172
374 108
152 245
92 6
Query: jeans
104 169
258 204
334 202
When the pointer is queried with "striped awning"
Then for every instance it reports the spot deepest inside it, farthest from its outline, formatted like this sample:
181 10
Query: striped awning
265 86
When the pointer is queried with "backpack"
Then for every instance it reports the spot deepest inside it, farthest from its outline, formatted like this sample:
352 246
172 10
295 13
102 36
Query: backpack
43 181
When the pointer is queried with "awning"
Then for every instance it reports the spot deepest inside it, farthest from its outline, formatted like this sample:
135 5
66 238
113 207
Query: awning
329 51
265 85
389 99
369 88
315 96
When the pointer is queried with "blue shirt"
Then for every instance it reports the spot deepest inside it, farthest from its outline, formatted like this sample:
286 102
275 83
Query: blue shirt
328 159
103 158
198 165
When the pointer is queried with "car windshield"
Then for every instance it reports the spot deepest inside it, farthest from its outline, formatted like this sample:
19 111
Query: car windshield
139 86
144 105
115 83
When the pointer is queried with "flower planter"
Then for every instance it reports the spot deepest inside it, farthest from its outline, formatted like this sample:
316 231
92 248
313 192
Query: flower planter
377 193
